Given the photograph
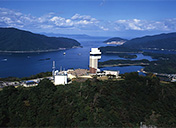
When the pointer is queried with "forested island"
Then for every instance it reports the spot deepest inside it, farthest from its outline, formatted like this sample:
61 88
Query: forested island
114 63
19 41
131 102
115 40
127 56
118 49
163 63
121 51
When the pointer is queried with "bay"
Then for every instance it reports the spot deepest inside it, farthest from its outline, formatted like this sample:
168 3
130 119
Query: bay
24 65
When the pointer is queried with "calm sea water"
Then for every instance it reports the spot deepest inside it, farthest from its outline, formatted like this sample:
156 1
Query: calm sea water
24 65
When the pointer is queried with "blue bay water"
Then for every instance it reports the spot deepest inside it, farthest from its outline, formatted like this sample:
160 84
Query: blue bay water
24 65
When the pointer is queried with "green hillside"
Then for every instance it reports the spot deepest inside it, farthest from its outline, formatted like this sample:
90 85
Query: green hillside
12 39
117 49
162 41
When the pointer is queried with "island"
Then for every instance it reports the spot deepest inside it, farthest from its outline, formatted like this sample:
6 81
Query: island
163 63
13 40
115 40
120 51
114 63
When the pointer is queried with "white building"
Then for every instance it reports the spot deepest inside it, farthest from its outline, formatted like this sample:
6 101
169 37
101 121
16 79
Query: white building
60 77
95 54
108 72
30 83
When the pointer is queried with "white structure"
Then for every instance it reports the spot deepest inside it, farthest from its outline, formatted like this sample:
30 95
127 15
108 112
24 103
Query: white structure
30 83
115 73
95 54
60 77
53 69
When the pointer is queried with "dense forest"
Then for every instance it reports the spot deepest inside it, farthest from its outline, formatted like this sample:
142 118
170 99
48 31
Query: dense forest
12 39
118 49
112 63
164 63
93 103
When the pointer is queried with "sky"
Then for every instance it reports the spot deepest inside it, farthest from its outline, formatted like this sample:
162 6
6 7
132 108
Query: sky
120 18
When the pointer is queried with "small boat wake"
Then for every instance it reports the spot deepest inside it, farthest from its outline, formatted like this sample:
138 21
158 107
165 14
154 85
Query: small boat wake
5 59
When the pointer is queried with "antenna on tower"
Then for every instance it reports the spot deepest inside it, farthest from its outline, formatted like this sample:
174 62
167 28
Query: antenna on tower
53 67
60 68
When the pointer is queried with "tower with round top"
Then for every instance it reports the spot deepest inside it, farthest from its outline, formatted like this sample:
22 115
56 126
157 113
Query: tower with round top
95 54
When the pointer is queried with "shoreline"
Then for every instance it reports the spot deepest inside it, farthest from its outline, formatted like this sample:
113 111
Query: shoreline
114 52
40 51
122 65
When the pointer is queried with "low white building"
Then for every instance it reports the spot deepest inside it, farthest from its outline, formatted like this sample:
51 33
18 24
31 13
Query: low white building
108 72
60 78
30 83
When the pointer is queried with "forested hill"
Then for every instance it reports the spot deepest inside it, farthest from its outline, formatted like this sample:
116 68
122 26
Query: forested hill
117 49
12 39
162 41
94 103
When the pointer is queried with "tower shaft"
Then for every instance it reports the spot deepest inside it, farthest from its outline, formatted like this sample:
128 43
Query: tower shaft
95 54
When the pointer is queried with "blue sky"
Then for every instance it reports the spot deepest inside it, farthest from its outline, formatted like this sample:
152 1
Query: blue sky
127 18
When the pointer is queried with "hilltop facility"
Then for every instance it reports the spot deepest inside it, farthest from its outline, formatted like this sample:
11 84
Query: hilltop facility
61 77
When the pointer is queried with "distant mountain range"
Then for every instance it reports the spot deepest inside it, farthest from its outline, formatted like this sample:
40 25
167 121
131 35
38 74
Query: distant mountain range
12 39
162 41
65 35
79 37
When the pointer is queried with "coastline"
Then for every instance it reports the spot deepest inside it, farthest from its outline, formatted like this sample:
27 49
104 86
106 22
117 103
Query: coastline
114 52
121 65
40 51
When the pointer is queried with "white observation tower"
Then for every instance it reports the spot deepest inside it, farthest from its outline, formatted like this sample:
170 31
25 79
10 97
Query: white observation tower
95 54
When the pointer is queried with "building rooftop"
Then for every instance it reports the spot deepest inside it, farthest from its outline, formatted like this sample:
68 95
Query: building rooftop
78 72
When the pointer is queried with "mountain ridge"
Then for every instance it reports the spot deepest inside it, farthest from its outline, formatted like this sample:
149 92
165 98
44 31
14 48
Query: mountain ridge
79 37
160 41
13 39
